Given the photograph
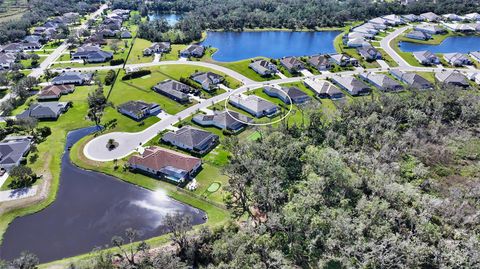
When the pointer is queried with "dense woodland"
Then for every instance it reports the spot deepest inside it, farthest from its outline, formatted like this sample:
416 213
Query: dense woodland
387 183
290 14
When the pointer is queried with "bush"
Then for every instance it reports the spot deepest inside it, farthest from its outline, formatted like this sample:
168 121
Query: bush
110 77
136 74
117 61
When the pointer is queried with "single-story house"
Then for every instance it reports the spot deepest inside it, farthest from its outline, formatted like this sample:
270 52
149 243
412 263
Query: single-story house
419 35
320 62
138 110
413 80
12 48
174 90
429 28
254 105
296 95
366 29
106 33
263 67
160 47
382 81
33 39
343 60
125 35
292 64
208 80
457 59
196 51
426 57
166 164
452 17
472 16
72 77
452 78
357 43
430 16
13 151
475 55
191 139
379 20
411 17
393 19
7 60
352 85
92 55
53 92
231 120
323 88
44 110
461 27
369 53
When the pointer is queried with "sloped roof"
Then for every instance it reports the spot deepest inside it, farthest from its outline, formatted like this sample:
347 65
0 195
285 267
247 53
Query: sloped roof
157 158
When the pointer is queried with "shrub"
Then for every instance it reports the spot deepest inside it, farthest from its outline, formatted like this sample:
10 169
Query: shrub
136 74
117 61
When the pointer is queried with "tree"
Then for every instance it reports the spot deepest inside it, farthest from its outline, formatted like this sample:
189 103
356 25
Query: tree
114 46
130 254
179 225
97 102
25 261
110 77
22 176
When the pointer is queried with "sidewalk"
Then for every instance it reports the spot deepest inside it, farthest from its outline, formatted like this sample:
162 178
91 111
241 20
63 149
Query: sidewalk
17 194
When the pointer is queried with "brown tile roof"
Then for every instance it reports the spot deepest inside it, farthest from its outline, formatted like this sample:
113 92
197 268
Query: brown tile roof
157 158
55 90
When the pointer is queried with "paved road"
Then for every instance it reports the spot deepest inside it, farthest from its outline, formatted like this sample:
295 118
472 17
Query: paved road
385 44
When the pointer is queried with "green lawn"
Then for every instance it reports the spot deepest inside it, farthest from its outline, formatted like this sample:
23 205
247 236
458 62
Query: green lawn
173 55
352 52
136 55
242 68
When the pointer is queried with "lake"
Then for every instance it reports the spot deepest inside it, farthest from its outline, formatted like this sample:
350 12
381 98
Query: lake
462 44
234 46
89 210
171 19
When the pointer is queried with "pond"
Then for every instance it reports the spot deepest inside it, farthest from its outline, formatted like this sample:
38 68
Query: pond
171 19
462 44
234 46
89 210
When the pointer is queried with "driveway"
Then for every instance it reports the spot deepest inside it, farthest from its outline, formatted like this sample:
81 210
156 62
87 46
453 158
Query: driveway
385 45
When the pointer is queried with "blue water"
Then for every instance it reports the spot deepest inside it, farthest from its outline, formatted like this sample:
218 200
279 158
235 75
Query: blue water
171 19
234 46
462 44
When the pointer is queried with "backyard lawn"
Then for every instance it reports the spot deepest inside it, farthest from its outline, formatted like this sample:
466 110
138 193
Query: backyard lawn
242 68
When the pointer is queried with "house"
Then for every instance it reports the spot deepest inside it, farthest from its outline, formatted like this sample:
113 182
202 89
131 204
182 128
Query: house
357 35
457 59
224 120
13 151
30 45
324 89
12 48
97 40
411 18
474 77
32 39
320 62
196 51
461 27
379 20
292 64
430 16
44 110
343 60
452 78
72 77
475 55
7 60
174 90
426 57
165 164
125 35
451 17
106 33
369 53
53 92
393 20
352 85
429 28
263 67
254 105
381 81
208 80
191 139
367 29
357 43
138 110
419 35
92 54
413 80
286 94
472 16
160 47
71 17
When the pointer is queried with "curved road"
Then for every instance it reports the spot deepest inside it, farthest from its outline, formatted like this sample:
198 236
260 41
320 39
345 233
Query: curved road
128 142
